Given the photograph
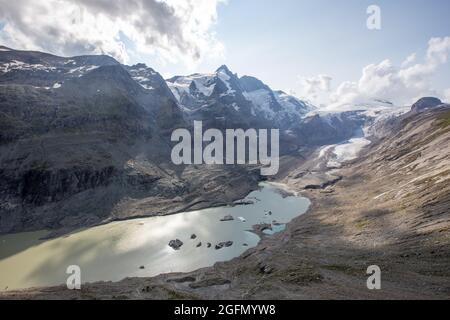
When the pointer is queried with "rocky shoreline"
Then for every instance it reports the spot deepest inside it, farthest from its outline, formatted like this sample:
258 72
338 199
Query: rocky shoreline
219 195
309 260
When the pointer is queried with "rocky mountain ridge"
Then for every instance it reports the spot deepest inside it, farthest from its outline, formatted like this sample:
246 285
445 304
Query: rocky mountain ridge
86 140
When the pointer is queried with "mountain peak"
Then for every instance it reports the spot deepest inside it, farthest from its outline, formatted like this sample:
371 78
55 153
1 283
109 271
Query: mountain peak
224 68
3 48
139 65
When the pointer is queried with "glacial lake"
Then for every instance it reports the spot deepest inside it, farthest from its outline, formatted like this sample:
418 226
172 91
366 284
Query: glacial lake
119 250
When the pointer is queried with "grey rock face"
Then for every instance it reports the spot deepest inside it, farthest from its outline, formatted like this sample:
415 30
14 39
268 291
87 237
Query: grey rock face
426 103
319 129
84 140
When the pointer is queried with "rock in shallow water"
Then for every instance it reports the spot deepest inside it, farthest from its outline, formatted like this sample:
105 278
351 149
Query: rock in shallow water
224 245
244 202
176 244
227 218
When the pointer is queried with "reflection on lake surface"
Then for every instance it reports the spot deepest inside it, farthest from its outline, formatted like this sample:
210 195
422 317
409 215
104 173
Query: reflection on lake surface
117 250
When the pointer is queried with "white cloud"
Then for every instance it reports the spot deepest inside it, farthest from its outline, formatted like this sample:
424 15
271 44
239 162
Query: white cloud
409 60
174 30
401 85
315 88
446 96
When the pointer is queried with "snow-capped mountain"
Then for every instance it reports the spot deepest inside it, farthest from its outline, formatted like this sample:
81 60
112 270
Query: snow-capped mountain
220 99
276 106
43 70
200 90
242 97
217 99
293 104
223 100
99 87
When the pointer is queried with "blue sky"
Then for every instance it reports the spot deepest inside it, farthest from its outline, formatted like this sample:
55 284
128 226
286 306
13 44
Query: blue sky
278 41
281 42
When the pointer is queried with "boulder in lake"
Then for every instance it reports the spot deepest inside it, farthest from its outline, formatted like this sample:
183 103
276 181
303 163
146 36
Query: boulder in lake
227 218
193 236
224 245
176 244
199 245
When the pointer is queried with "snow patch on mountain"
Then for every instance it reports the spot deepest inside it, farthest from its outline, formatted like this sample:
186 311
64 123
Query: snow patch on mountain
245 94
143 75
347 151
204 83
71 62
374 104
337 154
223 75
20 65
292 104
80 71
262 100
143 82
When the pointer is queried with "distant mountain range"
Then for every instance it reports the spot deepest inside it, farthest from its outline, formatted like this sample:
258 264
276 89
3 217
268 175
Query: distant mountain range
222 93
225 95
221 99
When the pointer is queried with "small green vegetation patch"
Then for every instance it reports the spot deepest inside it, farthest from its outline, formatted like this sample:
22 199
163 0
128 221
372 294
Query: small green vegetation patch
444 119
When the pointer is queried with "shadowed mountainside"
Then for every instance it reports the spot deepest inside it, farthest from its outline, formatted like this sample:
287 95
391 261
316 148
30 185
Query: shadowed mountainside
86 140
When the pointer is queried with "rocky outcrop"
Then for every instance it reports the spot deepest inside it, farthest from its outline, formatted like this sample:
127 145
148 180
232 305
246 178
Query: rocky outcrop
176 244
425 103
227 218
222 245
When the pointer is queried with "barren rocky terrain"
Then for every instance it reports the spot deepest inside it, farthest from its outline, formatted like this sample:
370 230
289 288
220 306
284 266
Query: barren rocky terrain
390 207
86 140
